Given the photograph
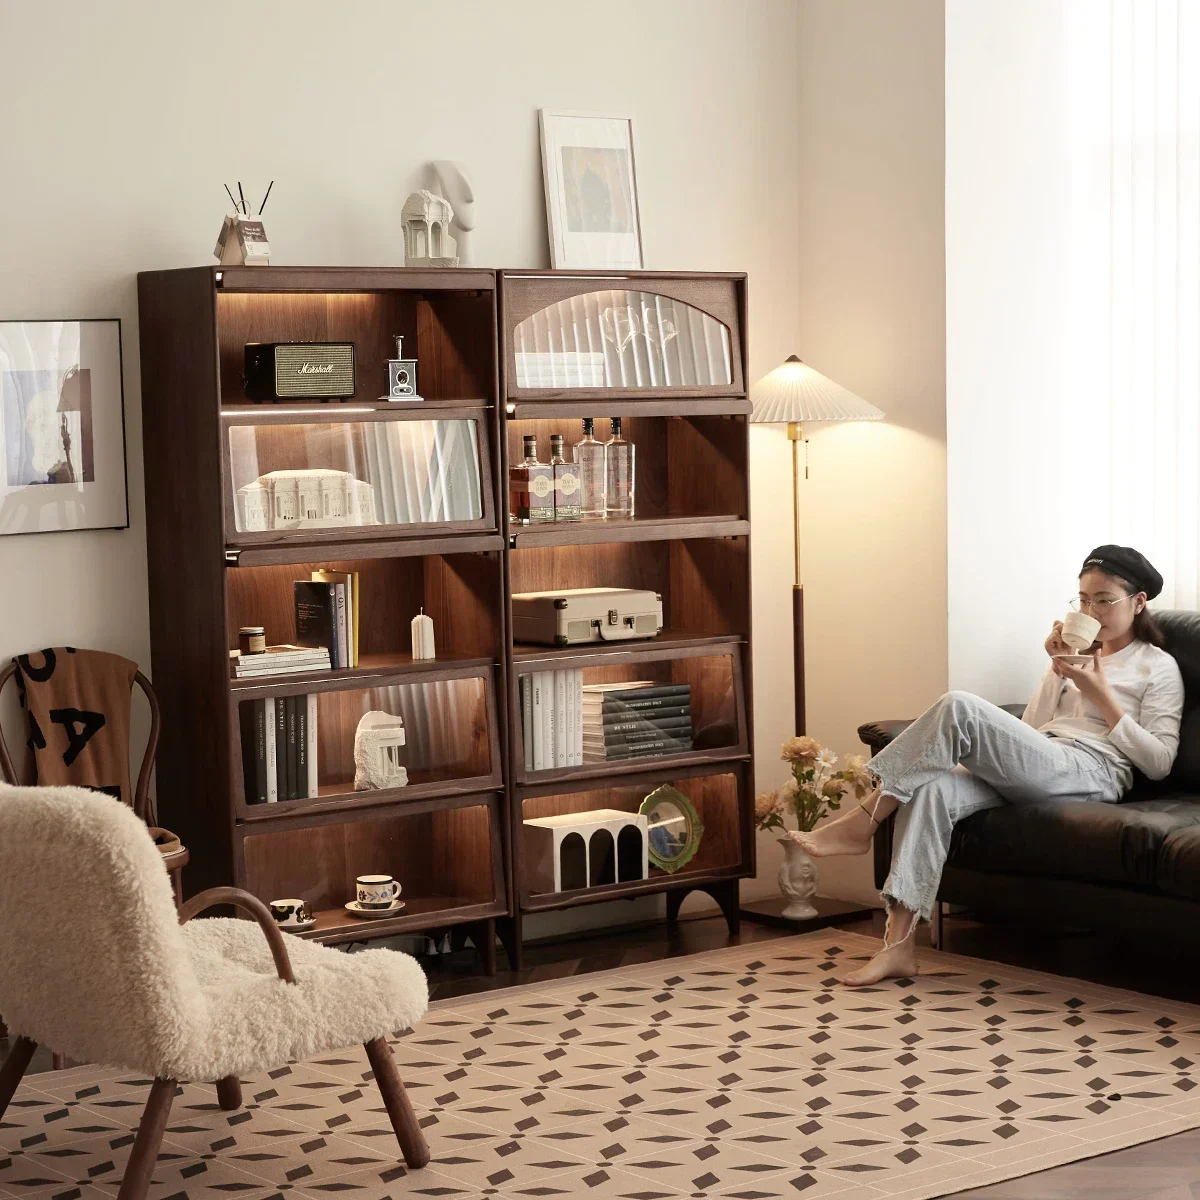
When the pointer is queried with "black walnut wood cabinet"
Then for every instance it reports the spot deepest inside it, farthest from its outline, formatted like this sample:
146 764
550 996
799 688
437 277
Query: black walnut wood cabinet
500 355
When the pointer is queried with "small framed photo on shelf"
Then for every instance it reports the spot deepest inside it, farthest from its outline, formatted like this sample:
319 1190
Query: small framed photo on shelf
591 190
62 427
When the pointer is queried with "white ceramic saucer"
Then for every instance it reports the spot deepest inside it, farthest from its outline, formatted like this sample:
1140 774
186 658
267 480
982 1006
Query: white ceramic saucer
297 926
355 909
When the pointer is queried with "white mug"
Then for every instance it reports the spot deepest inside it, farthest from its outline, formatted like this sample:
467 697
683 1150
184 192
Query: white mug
1079 630
377 891
291 912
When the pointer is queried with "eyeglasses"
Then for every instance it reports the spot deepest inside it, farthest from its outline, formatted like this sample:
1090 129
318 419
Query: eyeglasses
1100 607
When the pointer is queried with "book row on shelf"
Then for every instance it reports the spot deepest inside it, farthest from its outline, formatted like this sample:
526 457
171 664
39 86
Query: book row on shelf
279 748
567 723
596 484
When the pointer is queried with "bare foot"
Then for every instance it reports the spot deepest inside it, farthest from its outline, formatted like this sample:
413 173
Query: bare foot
849 834
898 961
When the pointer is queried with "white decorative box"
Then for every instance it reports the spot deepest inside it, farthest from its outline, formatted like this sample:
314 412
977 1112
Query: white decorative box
585 849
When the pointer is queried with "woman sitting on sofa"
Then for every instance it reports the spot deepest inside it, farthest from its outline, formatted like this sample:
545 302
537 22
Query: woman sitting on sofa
1082 734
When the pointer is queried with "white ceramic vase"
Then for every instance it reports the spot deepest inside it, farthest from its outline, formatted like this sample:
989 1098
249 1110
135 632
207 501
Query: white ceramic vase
797 881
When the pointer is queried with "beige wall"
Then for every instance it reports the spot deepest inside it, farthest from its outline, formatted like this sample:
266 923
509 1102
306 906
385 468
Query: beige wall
872 316
123 119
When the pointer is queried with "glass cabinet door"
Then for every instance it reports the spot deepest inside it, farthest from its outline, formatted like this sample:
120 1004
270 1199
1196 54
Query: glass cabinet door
314 480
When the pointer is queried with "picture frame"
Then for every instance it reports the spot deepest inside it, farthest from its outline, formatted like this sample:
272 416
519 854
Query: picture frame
674 828
63 460
590 172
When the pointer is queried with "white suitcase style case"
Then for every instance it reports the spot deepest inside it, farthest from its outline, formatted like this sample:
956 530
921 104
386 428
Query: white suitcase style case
580 615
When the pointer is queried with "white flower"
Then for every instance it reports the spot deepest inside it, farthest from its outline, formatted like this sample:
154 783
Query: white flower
826 758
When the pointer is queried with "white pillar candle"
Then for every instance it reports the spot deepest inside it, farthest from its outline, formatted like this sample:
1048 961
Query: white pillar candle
422 636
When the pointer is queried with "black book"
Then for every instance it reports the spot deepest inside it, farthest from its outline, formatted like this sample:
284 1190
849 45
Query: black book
681 727
281 741
293 750
640 750
301 747
316 617
611 722
253 719
633 699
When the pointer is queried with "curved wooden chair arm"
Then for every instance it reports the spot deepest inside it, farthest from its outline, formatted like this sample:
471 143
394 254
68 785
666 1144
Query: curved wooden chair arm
141 793
7 771
257 909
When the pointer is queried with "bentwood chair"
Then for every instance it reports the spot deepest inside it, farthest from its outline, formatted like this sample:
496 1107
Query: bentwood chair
130 982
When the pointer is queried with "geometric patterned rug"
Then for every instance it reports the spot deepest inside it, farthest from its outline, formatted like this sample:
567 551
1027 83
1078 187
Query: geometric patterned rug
743 1073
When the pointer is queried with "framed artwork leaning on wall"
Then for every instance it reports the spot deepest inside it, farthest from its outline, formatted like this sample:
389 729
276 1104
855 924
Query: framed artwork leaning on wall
62 427
591 190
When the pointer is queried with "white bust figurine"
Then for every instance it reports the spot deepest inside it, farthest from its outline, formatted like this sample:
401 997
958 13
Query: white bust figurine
453 182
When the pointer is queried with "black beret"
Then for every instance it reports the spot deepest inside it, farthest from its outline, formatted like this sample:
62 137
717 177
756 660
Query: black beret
1128 564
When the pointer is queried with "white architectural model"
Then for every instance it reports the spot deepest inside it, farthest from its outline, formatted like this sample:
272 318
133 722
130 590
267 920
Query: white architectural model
427 240
305 499
377 743
586 849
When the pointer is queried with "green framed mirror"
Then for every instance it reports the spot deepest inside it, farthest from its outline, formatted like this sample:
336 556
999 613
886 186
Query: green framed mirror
674 828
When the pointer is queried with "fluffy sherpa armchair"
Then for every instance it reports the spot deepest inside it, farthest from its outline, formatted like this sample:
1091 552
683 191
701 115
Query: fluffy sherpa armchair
96 962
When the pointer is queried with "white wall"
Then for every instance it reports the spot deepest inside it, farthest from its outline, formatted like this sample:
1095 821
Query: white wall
122 121
872 317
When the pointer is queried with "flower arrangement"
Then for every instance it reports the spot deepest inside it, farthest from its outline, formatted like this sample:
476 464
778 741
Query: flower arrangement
815 788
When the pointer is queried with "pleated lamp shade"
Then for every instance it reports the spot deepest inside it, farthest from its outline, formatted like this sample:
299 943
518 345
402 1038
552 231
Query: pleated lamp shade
795 392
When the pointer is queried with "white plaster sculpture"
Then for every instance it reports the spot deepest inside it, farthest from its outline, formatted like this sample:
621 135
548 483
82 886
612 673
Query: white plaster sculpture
452 181
377 742
315 498
427 240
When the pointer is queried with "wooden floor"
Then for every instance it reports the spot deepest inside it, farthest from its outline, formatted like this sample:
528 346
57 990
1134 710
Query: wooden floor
1164 1170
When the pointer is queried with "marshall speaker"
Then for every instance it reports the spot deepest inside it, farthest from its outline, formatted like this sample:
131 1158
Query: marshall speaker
299 371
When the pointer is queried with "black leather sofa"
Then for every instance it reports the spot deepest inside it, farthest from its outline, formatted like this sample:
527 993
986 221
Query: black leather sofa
1133 866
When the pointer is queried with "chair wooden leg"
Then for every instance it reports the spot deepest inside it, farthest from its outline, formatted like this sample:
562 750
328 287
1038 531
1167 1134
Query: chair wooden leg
13 1069
144 1155
399 1107
58 1062
229 1093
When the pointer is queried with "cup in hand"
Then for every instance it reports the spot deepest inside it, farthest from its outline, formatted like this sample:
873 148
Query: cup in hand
377 891
291 912
1079 630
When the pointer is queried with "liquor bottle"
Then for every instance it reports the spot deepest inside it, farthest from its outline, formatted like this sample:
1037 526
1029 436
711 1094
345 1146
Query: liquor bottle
589 454
566 482
618 462
530 488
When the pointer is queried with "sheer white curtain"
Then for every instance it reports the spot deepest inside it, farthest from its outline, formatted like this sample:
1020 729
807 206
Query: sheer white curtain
1132 319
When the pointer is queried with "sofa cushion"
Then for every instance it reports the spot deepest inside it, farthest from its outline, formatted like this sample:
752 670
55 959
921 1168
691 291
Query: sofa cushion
1179 864
1102 843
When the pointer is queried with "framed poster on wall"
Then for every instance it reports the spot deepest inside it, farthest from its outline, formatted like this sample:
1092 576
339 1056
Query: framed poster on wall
591 190
62 427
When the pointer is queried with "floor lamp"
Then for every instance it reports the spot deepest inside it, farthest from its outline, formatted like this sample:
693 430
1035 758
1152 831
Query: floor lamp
790 395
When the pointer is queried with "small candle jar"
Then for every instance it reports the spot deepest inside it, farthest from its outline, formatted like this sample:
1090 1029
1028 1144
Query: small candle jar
252 639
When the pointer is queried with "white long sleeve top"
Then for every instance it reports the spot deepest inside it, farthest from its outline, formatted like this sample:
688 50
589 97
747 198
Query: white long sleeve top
1148 687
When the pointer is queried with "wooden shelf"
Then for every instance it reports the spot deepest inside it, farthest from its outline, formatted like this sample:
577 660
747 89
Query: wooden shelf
597 774
660 881
397 547
419 912
649 529
669 642
300 280
616 402
336 410
374 670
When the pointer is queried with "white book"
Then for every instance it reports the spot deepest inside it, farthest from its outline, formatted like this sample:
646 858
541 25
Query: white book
578 690
311 744
572 709
294 669
537 719
561 738
526 683
272 768
342 628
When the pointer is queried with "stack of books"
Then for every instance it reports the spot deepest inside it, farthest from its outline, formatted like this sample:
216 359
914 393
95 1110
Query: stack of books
636 720
552 719
280 660
279 748
327 615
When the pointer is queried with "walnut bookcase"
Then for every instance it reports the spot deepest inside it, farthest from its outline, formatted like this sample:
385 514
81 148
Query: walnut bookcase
675 345
444 836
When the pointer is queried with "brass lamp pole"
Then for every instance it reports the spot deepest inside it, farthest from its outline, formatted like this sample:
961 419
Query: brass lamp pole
792 394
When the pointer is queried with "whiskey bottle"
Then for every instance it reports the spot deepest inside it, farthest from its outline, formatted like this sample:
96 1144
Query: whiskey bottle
589 454
618 462
530 488
566 483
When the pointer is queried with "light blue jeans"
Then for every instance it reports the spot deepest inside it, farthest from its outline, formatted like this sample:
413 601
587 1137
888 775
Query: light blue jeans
961 756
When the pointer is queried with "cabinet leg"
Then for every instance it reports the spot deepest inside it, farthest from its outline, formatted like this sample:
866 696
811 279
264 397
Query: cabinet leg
229 1093
725 894
937 933
485 943
509 930
458 938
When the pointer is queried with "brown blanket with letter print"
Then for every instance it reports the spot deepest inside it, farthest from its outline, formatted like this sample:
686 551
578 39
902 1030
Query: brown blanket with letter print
77 705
